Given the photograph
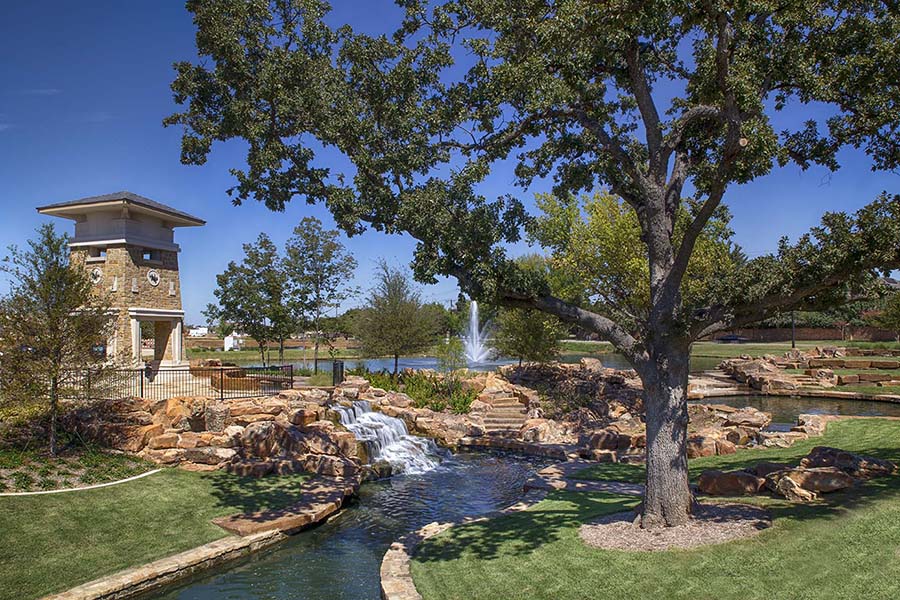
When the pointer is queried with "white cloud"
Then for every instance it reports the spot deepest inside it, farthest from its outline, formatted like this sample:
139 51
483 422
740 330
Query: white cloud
40 91
97 116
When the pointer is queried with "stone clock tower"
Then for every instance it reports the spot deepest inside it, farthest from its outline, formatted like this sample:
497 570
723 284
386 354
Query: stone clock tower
127 244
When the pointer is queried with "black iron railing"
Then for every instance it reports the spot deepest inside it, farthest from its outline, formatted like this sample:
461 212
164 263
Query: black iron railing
163 383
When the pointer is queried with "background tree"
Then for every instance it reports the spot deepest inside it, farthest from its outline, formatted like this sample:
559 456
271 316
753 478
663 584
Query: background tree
253 296
888 317
395 322
653 100
320 270
527 334
53 327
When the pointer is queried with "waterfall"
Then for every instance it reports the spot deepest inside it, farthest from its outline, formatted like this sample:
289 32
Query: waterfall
476 338
386 438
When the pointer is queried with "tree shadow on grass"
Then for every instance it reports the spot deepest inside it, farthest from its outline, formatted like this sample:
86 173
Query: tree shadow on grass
519 534
256 494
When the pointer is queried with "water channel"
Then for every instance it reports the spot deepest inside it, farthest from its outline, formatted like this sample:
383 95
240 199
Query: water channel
340 559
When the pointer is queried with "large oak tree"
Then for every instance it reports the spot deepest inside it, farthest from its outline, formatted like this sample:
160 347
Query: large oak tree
667 104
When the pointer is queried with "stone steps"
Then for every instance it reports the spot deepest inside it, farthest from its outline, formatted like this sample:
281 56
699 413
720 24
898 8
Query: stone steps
507 414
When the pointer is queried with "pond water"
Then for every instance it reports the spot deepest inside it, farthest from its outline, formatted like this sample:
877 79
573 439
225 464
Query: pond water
340 559
609 359
785 409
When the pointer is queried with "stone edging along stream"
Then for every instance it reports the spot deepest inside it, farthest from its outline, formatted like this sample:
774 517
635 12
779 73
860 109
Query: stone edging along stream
324 496
159 573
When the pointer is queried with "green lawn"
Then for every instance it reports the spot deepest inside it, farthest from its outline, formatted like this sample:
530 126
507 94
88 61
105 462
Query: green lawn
52 542
33 469
845 547
717 350
875 437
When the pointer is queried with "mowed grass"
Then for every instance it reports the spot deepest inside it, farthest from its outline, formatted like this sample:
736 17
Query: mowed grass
49 543
847 547
873 437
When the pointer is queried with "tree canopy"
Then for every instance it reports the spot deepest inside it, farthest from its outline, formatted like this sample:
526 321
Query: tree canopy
395 322
54 327
666 104
320 271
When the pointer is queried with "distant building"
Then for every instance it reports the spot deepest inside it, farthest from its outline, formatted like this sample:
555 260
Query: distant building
233 341
127 244
198 332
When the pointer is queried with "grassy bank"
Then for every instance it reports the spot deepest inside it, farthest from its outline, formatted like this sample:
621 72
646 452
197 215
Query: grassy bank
50 543
33 469
875 437
843 547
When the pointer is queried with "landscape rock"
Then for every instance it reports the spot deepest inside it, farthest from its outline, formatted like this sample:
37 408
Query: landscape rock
855 465
731 483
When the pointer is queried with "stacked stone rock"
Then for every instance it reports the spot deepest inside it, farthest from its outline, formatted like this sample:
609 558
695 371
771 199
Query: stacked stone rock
822 471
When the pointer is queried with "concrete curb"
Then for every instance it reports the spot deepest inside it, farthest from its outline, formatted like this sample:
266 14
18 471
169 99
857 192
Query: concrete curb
80 489
396 578
166 571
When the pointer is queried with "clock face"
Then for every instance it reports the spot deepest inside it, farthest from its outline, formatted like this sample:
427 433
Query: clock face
153 278
96 275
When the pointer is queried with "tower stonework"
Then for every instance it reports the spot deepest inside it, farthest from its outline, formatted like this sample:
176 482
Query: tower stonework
126 242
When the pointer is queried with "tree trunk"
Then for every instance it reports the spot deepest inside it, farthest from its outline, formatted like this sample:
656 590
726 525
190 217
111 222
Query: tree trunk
281 350
262 353
54 409
316 333
667 499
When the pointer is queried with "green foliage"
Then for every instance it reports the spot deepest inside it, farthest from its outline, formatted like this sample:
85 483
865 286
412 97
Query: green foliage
527 334
320 270
52 320
423 390
254 297
834 548
394 322
451 356
889 315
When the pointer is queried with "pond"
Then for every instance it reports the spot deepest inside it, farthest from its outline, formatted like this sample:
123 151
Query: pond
785 409
341 559
609 359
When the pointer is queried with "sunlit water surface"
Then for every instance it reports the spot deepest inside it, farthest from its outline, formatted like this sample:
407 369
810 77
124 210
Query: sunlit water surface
340 559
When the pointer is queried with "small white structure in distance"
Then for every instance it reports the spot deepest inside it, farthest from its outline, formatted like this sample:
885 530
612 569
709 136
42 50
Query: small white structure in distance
232 341
198 331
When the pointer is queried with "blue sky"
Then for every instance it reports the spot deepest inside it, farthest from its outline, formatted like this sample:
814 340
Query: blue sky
84 87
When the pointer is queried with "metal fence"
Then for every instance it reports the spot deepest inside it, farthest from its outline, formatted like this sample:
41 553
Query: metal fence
163 383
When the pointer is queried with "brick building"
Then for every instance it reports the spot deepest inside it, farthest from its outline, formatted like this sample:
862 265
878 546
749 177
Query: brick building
127 243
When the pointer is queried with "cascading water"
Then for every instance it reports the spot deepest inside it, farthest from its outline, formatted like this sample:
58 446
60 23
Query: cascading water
386 438
476 347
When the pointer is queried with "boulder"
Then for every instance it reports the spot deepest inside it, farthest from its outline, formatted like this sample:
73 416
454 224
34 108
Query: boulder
748 417
260 440
209 455
765 468
725 447
818 479
605 439
810 424
540 430
603 456
701 445
791 490
303 416
731 483
215 416
855 465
